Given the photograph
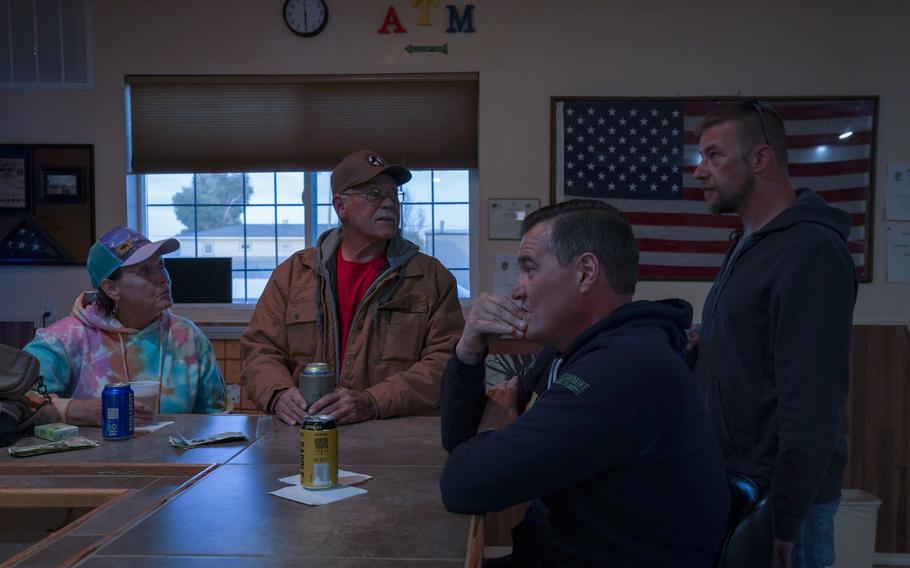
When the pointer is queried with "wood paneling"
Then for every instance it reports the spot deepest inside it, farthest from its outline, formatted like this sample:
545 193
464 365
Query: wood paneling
878 428
498 526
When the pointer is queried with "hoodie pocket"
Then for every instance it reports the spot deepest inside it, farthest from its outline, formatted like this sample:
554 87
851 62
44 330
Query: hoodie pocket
301 329
403 327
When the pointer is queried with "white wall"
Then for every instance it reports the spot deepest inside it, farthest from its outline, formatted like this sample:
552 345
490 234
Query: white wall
525 52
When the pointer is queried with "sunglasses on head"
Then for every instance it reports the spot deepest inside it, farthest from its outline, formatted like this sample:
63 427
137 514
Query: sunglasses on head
756 105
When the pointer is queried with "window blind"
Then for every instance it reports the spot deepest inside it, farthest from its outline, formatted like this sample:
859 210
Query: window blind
280 123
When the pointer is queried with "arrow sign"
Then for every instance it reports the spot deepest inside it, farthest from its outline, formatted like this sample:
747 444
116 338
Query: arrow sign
444 48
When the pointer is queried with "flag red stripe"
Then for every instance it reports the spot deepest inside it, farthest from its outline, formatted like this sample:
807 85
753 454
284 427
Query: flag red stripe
830 195
684 219
705 220
831 168
846 194
664 245
820 168
856 247
669 272
661 272
810 140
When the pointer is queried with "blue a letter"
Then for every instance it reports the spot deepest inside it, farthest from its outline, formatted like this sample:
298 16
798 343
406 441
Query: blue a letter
464 24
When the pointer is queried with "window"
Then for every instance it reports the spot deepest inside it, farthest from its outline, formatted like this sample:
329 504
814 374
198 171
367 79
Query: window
291 129
259 219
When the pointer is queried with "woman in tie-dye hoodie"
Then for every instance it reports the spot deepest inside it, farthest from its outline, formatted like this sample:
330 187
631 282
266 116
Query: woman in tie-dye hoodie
124 331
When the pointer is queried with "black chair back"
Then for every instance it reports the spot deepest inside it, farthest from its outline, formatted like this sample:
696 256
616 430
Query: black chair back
750 534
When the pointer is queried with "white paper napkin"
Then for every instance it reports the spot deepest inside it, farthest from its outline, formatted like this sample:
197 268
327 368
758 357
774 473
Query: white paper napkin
152 427
319 496
295 492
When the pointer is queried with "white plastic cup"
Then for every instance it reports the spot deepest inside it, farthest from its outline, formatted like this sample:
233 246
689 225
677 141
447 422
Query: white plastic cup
146 392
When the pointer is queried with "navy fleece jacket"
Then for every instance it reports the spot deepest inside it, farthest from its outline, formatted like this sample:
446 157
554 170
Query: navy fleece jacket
617 456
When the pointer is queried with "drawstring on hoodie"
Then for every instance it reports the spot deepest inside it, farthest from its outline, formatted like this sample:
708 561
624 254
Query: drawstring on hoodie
126 369
554 372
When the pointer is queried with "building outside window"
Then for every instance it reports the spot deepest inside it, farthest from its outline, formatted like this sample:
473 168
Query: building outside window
260 219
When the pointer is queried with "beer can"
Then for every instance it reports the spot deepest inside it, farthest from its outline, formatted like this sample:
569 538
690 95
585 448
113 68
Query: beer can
315 381
117 411
318 452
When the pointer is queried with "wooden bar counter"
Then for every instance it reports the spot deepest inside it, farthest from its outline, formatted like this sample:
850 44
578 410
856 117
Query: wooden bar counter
154 505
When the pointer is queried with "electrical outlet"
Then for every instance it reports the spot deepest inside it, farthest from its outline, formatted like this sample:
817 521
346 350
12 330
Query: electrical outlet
48 306
234 393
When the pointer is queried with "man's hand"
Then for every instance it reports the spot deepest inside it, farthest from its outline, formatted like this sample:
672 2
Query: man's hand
84 412
692 335
782 555
291 407
491 315
345 405
502 406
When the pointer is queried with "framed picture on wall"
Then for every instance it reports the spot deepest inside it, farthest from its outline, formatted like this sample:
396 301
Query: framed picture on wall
506 216
640 154
14 180
61 185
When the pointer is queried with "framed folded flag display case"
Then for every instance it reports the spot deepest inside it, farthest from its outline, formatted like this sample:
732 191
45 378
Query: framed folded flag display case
47 208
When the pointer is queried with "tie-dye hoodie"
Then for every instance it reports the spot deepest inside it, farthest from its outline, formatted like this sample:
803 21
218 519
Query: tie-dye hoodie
83 352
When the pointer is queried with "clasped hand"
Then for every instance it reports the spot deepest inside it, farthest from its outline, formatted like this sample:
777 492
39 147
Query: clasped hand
346 406
491 316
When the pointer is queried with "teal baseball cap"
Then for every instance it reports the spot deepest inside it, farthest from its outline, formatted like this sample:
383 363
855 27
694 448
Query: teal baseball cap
122 246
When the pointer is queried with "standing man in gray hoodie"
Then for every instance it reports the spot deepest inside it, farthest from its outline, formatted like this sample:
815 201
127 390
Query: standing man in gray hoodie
774 347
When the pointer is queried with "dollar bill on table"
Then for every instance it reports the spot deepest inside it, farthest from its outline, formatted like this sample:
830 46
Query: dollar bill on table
179 441
77 443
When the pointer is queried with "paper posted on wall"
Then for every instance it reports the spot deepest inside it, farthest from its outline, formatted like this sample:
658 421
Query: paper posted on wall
899 252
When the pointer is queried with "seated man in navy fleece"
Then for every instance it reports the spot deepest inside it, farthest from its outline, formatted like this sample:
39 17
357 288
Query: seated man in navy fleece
617 455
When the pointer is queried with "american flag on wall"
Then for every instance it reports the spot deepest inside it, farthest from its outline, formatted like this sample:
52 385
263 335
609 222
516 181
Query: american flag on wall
640 155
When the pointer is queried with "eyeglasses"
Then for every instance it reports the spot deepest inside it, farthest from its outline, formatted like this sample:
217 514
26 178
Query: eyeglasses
376 195
754 104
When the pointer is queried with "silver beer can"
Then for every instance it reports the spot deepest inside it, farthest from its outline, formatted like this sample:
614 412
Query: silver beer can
315 381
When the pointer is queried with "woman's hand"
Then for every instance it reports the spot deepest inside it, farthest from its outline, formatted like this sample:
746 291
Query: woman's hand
84 412
142 413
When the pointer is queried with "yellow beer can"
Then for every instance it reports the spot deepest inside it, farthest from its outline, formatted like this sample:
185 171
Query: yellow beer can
318 452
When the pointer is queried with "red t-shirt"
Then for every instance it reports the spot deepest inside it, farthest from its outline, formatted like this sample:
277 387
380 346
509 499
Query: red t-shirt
354 278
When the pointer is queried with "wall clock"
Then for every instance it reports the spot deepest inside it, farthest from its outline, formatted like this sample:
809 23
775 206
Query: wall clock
306 17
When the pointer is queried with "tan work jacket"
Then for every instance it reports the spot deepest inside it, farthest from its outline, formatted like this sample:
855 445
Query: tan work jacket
402 334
